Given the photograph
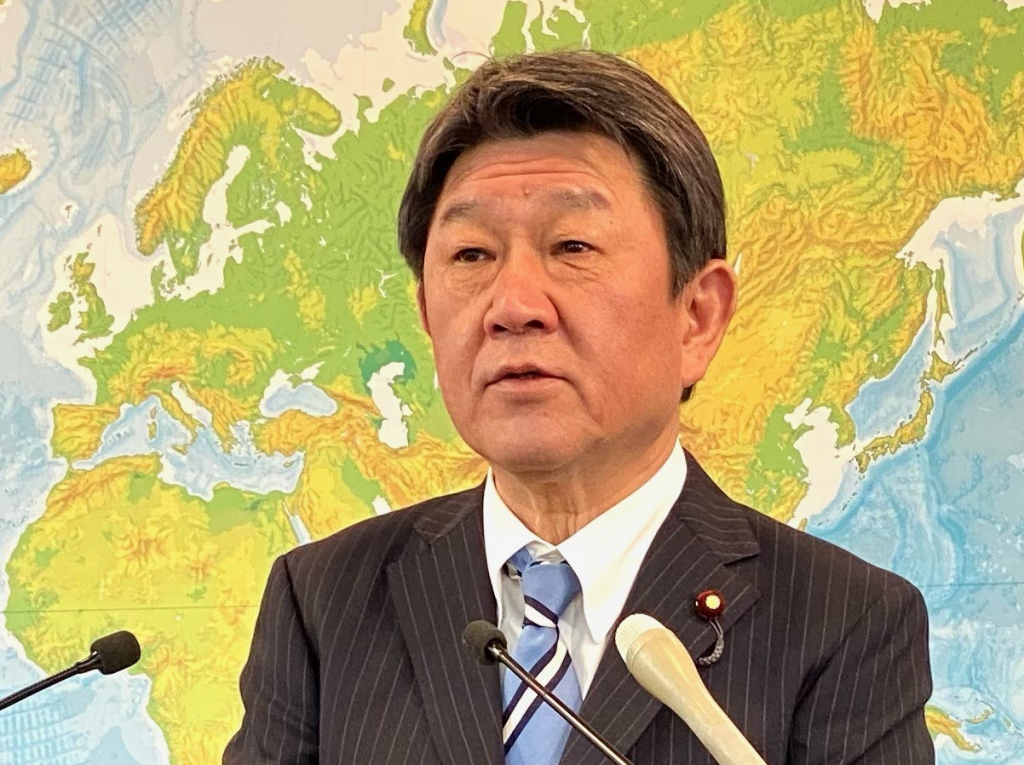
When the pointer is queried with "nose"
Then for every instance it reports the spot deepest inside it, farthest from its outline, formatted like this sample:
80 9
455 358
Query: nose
521 299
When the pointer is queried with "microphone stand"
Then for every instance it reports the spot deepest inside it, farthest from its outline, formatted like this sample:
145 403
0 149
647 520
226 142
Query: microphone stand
86 665
500 654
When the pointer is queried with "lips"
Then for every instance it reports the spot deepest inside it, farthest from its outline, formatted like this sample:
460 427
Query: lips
519 372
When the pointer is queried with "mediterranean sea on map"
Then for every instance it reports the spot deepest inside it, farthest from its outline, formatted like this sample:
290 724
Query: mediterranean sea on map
210 352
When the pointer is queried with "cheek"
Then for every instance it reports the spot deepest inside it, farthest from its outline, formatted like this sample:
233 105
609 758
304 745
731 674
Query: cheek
624 325
453 362
637 347
454 344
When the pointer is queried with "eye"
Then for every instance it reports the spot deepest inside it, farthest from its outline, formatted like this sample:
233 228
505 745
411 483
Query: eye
573 246
469 255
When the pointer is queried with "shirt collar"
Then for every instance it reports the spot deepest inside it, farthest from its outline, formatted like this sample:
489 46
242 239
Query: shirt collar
606 554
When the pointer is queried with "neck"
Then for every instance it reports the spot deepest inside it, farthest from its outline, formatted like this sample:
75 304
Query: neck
555 506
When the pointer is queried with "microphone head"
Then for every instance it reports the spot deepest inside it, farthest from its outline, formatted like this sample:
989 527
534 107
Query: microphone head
481 635
631 629
116 651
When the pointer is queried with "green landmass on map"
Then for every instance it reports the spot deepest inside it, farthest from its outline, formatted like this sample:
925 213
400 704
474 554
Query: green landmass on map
94 321
416 30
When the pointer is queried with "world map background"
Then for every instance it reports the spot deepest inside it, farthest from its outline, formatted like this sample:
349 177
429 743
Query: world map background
209 350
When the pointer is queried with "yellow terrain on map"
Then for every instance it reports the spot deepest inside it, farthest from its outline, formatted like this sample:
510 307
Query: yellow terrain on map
14 168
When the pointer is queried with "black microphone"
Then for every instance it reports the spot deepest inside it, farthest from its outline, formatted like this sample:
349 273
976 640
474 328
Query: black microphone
109 654
487 644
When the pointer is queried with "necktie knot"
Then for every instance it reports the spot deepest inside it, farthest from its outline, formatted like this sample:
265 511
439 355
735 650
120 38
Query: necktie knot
548 587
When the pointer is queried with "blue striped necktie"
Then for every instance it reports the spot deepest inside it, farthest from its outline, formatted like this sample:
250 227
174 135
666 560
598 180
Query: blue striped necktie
533 733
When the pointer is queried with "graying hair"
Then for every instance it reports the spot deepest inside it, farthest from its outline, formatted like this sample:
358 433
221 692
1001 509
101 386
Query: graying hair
586 91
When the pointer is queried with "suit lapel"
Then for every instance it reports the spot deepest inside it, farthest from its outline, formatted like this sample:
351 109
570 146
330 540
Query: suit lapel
692 552
439 585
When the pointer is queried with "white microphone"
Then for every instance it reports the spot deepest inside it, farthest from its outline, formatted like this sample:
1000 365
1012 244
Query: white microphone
657 659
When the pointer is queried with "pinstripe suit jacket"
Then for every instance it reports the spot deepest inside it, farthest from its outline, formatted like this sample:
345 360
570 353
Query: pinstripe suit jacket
357 658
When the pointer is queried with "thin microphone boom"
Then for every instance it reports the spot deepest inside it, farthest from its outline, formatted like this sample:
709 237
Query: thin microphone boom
42 685
108 654
488 645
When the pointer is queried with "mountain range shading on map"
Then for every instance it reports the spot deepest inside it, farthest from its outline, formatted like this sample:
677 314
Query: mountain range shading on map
211 351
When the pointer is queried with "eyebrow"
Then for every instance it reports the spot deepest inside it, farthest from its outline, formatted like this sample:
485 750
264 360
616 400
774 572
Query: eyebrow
572 199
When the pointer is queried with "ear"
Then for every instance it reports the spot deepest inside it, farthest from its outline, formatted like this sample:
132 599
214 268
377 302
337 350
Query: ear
421 302
707 303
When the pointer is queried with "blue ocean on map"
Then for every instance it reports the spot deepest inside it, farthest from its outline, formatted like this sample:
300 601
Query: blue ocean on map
197 463
304 397
86 108
948 512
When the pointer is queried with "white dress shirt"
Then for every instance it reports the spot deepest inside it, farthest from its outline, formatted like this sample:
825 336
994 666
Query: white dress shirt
605 554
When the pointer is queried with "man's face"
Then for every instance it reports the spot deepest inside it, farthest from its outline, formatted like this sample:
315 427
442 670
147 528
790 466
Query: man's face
546 292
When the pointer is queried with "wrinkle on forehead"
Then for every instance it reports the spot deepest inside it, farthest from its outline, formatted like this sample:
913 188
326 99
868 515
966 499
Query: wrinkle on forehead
563 172
539 156
564 198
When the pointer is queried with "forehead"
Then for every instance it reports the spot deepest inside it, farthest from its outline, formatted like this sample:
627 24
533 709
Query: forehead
575 170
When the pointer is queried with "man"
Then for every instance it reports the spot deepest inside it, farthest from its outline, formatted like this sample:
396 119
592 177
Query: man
565 220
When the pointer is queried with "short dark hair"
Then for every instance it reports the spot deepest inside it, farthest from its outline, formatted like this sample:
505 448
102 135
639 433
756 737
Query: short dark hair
587 91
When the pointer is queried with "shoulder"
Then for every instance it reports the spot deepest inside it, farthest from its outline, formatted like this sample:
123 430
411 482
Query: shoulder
373 544
816 565
803 583
785 558
825 599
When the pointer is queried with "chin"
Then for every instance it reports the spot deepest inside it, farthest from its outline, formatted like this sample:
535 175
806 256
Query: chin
519 453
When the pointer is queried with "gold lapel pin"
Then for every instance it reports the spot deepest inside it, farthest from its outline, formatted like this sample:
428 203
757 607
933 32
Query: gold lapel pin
709 605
